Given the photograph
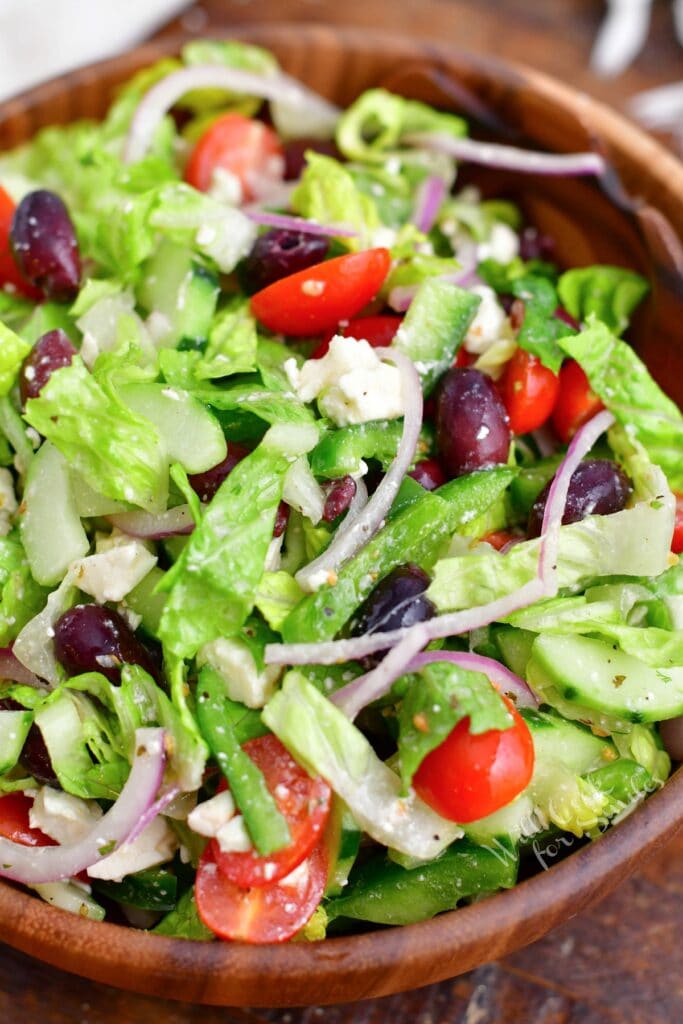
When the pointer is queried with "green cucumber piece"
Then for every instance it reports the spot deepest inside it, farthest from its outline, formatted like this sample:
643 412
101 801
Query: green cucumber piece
147 602
192 435
51 529
14 727
343 840
589 674
181 289
515 647
572 743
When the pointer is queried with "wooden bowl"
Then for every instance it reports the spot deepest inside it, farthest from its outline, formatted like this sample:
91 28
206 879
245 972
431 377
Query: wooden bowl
588 228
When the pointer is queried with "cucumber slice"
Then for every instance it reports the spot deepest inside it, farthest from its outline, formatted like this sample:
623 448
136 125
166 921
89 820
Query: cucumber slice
89 502
192 435
515 647
573 744
14 727
175 285
589 674
51 529
145 601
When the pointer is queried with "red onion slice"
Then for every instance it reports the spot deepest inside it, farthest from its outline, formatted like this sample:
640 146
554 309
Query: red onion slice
430 196
510 158
153 811
35 865
307 227
172 523
580 445
365 689
505 681
158 100
365 525
13 670
400 297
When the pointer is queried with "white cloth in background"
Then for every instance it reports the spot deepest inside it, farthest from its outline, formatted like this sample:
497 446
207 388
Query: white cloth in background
42 38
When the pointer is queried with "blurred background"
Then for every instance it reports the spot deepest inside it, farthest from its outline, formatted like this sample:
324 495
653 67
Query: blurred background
618 50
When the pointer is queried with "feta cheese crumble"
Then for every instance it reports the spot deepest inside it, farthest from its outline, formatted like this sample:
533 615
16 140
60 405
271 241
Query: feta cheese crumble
112 573
490 323
234 662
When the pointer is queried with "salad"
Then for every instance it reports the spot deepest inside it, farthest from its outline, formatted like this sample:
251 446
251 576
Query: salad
339 525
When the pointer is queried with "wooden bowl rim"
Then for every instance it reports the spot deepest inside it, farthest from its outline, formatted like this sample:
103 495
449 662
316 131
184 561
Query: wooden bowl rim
394 959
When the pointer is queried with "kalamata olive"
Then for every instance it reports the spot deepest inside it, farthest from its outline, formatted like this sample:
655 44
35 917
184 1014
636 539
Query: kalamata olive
396 602
34 757
281 519
295 154
206 484
91 638
472 430
339 495
279 253
51 352
44 245
429 473
597 487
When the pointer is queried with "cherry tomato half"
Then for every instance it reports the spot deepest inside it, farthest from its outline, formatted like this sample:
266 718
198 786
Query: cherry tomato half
499 538
378 331
677 539
529 391
468 777
246 148
9 271
316 299
14 821
270 913
576 403
305 804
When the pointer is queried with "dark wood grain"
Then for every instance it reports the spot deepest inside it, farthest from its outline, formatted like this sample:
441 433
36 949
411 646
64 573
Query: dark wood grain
618 962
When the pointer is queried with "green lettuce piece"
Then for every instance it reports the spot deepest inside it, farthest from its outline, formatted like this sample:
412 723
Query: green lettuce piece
322 738
212 586
502 276
440 697
270 406
184 922
327 193
232 54
21 598
478 216
373 126
621 379
643 745
119 453
609 293
434 327
276 595
417 268
540 328
13 349
232 343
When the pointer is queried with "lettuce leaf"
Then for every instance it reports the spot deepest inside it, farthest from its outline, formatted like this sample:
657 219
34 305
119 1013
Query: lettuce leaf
13 349
328 194
21 598
212 586
621 379
119 453
232 343
609 293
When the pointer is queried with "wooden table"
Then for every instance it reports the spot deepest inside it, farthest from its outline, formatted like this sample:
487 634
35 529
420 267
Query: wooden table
620 963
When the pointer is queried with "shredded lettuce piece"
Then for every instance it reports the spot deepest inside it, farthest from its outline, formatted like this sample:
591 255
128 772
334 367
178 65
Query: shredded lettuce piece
609 293
328 194
21 598
13 349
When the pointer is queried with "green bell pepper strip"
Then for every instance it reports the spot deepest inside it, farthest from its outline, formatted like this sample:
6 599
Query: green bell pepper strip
266 826
153 889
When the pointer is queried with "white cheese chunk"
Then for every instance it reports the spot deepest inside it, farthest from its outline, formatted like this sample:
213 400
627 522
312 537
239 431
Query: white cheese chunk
351 383
233 836
8 502
490 323
209 817
112 573
502 245
234 662
155 845
61 816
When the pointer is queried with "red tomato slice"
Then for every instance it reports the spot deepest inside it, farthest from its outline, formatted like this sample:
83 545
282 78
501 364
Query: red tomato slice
246 148
576 403
468 777
378 331
499 538
305 804
271 913
529 391
10 277
318 298
677 539
14 821
464 358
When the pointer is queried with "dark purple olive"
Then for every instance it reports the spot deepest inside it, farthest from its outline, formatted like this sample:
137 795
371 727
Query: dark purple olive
206 484
338 496
535 246
44 245
51 352
396 602
279 253
429 473
91 638
34 757
295 154
597 487
472 429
